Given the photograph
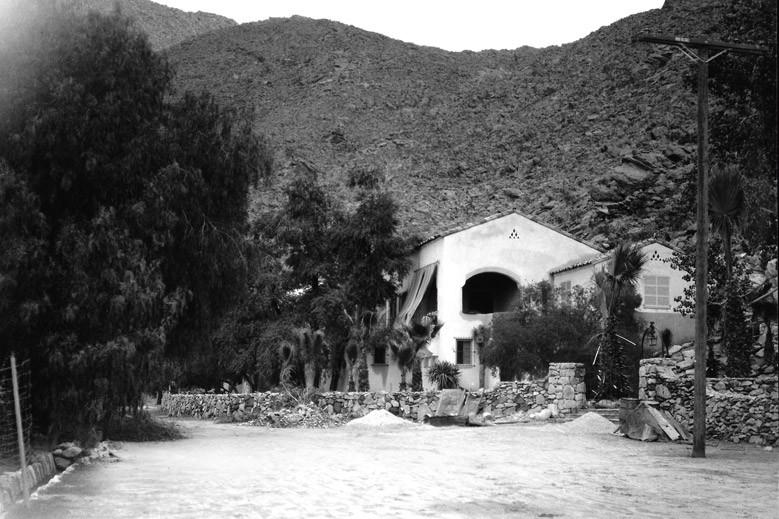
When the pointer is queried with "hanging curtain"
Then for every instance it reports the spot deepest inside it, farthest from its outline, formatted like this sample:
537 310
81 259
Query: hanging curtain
416 291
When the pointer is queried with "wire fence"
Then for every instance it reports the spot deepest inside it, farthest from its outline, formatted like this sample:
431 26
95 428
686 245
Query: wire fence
9 442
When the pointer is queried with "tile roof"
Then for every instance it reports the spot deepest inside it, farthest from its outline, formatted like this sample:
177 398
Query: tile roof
598 258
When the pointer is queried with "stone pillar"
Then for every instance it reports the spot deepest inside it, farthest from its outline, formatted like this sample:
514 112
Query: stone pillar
566 387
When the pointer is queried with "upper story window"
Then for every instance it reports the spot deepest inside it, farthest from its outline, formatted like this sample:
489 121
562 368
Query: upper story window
488 292
565 286
380 355
464 355
657 291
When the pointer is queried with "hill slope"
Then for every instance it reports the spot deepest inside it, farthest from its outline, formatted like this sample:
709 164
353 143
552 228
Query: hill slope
166 26
597 136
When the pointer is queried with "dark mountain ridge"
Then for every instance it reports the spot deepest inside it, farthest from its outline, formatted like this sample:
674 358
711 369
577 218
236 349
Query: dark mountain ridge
597 136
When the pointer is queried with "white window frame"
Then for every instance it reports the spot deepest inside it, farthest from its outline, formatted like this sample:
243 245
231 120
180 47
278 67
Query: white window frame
458 357
653 288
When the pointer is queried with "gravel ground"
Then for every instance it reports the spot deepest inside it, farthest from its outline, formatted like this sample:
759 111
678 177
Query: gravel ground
375 469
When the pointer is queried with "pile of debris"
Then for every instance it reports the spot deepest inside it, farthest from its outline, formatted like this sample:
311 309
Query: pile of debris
303 416
646 423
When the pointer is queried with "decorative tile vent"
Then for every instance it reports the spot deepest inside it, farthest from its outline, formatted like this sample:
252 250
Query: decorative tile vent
655 256
514 235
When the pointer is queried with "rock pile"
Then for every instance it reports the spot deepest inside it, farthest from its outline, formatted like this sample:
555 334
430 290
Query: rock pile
66 454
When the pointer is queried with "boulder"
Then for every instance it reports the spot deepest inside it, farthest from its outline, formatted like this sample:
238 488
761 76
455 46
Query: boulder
71 453
62 463
630 174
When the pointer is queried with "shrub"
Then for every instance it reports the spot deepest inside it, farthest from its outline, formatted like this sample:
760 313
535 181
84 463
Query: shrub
444 375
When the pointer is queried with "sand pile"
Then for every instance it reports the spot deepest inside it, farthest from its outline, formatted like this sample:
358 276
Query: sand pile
588 423
380 418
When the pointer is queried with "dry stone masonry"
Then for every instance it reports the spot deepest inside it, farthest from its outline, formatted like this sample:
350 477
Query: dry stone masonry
737 409
563 389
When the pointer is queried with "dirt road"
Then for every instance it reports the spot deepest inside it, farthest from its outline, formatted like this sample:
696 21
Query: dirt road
225 470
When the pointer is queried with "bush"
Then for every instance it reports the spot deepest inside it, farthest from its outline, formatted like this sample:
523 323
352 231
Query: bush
444 375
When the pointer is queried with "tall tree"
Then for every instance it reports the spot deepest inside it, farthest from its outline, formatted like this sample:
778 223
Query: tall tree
727 205
340 263
622 270
144 200
726 210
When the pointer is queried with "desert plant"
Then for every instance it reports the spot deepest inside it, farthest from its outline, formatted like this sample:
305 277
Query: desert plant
311 346
408 341
726 208
622 270
444 375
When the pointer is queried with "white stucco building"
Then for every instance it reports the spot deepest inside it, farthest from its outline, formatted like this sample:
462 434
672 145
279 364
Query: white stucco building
465 275
658 286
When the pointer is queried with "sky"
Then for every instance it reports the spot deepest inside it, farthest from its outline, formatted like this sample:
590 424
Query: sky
452 25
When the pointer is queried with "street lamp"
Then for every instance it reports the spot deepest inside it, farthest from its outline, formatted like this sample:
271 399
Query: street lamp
649 332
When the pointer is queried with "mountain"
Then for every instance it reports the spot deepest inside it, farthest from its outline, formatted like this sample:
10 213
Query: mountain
597 137
166 26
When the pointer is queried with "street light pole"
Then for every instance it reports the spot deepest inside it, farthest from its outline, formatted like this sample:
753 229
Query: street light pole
698 50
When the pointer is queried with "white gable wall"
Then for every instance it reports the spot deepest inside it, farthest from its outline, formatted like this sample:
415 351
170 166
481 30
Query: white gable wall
682 328
512 245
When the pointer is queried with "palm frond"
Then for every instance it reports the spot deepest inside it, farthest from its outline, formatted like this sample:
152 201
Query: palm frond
727 202
627 262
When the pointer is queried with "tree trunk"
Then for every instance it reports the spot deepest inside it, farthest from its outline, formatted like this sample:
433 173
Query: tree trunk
403 378
482 368
309 369
768 347
362 371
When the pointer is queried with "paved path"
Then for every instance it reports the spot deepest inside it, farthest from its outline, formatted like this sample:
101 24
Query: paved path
224 470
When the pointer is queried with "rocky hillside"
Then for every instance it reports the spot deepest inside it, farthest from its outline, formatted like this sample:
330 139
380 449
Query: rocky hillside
165 26
597 136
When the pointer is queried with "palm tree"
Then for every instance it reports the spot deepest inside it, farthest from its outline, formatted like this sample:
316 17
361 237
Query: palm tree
406 344
623 270
727 213
310 346
727 208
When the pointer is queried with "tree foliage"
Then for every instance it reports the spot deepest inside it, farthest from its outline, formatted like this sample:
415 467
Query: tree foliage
621 273
547 325
142 200
339 261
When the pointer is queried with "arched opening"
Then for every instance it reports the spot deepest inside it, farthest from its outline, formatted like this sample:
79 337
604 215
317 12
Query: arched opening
487 293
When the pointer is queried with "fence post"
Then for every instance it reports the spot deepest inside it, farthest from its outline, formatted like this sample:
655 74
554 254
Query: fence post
20 431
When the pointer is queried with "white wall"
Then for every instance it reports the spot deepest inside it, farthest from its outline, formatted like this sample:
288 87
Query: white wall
490 247
682 328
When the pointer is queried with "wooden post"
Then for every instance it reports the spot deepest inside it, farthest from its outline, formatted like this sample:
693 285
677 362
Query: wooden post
20 431
701 261
688 46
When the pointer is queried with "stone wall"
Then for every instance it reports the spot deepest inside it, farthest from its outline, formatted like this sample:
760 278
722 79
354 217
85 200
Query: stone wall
563 389
38 472
737 409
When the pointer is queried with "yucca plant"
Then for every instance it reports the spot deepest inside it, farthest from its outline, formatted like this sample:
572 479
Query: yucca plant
444 375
